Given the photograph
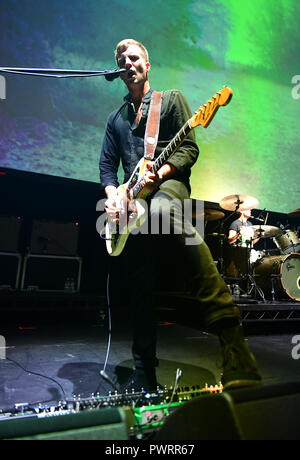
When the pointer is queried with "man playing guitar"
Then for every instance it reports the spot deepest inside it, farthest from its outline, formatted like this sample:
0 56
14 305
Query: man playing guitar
169 185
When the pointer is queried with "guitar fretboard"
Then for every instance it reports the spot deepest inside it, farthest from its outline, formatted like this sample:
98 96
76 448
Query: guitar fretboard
165 155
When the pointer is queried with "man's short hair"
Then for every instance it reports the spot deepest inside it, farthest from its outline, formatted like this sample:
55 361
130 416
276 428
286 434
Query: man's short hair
123 45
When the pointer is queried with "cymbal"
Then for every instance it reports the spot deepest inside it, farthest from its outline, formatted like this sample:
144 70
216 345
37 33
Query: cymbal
295 213
213 214
208 214
238 202
265 231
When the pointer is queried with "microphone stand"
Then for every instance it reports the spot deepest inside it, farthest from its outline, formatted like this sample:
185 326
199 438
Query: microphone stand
63 73
109 75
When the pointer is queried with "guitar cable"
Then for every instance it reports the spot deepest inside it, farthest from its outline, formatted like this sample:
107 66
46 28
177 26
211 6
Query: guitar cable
103 372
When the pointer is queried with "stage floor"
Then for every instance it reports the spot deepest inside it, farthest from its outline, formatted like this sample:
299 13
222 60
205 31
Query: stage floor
46 363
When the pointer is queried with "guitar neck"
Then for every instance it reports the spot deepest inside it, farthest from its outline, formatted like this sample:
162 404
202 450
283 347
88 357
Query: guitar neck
171 147
203 116
164 156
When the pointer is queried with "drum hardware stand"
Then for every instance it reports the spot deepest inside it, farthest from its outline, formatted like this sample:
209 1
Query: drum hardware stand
250 278
255 288
272 290
273 278
222 237
221 259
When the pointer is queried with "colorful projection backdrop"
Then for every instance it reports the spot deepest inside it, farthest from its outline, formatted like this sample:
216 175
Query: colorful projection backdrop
56 126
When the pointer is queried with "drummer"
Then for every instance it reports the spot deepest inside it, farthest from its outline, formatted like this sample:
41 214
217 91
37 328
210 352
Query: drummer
240 231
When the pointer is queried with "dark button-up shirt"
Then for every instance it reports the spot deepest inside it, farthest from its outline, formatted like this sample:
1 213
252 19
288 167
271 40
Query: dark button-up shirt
124 139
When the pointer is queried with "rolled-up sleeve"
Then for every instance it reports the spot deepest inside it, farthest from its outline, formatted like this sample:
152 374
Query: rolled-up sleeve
109 157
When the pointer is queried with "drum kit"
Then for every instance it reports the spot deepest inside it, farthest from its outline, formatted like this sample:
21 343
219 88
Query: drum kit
273 273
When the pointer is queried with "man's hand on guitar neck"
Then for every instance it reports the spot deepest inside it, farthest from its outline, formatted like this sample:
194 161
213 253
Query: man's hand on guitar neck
152 181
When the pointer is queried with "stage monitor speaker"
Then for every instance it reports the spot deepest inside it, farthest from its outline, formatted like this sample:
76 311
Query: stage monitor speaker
266 412
93 424
51 273
10 270
54 238
9 233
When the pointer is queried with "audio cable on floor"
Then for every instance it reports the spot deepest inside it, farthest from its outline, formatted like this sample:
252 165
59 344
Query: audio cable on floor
103 372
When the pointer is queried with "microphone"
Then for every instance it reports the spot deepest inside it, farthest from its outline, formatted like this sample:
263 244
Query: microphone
108 379
116 73
257 218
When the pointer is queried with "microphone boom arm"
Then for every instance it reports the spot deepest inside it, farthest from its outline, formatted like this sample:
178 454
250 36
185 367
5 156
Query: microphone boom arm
63 73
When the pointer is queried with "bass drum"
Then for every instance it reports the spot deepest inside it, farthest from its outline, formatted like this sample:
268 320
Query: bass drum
281 271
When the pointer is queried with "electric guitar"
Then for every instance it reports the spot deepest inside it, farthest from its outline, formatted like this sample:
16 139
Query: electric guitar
134 214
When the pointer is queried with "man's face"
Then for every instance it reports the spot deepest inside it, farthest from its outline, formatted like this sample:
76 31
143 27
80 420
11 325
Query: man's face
137 68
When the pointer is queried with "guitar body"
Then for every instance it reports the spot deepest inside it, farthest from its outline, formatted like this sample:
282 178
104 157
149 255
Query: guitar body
139 171
132 215
133 194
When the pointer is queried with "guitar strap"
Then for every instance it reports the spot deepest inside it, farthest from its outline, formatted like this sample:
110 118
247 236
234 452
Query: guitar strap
152 126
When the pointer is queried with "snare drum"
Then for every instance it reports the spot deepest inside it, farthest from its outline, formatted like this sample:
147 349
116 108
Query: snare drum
280 272
288 242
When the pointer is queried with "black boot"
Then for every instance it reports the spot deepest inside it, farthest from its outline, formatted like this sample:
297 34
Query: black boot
142 379
239 365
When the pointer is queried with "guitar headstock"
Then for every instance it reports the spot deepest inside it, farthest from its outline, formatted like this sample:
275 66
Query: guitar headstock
206 112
